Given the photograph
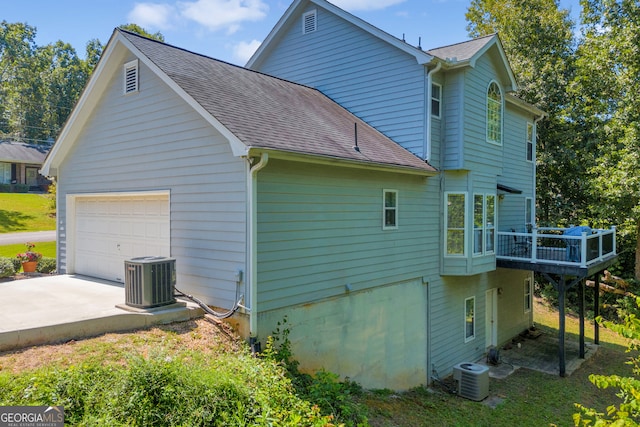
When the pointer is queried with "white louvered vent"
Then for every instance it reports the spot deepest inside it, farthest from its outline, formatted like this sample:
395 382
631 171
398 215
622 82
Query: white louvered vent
309 22
131 77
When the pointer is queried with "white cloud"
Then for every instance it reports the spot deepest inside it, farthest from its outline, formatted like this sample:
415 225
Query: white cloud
151 15
352 5
223 14
243 50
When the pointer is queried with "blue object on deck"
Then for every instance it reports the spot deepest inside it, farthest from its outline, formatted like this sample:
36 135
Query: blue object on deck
573 245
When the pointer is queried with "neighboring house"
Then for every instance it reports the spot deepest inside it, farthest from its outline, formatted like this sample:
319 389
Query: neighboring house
369 210
20 164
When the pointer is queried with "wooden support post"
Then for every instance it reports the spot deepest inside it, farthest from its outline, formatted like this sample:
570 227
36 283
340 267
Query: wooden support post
581 308
561 326
596 310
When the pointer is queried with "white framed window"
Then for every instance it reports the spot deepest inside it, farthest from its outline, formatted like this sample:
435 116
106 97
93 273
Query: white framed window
456 220
5 173
494 114
469 319
389 209
436 99
528 291
528 213
484 218
530 141
309 22
131 77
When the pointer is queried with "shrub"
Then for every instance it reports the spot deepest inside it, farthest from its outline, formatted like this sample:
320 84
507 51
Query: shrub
46 265
7 268
191 390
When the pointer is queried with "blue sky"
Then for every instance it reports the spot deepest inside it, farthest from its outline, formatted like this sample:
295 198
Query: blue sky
230 30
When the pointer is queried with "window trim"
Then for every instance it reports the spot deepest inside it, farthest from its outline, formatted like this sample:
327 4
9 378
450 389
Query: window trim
464 228
528 295
308 29
530 143
438 100
128 67
386 208
468 338
500 113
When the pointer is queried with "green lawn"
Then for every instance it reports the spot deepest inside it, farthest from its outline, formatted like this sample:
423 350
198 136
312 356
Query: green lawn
26 212
47 249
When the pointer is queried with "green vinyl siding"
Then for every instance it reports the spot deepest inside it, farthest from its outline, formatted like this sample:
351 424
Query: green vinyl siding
321 229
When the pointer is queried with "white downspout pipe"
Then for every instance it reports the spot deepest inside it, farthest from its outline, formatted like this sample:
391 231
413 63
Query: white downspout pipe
253 244
427 139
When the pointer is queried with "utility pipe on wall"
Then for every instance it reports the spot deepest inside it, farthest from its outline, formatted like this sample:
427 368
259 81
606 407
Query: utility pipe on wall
253 243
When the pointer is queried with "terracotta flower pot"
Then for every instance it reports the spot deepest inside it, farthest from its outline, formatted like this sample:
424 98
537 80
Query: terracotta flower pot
29 266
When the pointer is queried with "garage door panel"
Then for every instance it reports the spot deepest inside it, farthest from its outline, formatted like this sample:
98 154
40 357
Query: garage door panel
111 229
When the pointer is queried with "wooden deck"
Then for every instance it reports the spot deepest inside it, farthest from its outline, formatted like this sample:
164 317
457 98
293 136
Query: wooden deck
576 251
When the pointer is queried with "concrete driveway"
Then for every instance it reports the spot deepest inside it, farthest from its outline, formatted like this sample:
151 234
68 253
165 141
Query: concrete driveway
59 308
34 236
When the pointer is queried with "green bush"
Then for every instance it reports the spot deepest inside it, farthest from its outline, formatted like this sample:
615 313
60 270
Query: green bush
14 188
191 390
7 267
46 265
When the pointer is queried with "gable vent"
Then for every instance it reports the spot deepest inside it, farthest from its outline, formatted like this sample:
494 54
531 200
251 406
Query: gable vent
309 22
131 77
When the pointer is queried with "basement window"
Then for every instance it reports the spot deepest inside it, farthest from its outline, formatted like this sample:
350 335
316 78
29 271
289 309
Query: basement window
131 77
309 22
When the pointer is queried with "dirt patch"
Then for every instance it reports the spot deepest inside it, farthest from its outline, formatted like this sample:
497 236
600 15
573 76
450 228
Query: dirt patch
205 335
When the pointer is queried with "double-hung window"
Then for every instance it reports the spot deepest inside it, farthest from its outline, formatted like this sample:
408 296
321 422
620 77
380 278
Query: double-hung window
530 141
455 208
389 209
484 227
436 100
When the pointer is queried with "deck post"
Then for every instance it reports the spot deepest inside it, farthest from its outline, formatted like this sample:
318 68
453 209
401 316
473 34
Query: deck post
596 310
561 325
581 308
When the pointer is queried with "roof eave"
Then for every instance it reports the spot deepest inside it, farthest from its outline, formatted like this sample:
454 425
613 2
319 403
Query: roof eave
337 161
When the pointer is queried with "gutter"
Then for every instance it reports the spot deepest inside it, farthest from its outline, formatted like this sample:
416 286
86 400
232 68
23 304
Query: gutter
427 140
252 192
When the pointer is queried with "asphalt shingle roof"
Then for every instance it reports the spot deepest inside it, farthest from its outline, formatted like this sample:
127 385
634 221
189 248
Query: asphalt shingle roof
463 51
267 112
17 152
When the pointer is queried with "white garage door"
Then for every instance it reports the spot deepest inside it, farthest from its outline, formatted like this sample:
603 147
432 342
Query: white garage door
112 229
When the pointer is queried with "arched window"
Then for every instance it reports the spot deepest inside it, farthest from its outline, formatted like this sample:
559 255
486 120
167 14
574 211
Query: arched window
494 114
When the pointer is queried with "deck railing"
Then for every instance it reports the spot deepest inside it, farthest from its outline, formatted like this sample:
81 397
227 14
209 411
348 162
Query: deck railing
553 246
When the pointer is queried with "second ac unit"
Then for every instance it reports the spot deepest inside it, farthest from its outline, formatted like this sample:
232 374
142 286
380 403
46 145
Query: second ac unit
472 380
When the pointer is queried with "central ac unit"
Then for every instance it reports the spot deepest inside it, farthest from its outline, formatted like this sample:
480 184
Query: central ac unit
472 379
149 281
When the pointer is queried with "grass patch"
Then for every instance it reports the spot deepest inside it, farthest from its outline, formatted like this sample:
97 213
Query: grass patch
47 249
26 212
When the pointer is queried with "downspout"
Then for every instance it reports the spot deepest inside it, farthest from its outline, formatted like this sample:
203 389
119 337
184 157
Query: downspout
427 139
253 248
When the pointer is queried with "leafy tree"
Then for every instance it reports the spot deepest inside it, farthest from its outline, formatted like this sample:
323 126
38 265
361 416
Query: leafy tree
537 36
627 413
135 28
608 88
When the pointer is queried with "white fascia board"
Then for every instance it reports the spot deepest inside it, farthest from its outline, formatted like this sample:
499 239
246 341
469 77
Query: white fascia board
421 56
495 41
